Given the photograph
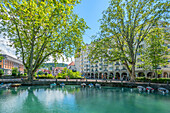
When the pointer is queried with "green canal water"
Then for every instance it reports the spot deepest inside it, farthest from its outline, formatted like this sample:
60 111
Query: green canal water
73 99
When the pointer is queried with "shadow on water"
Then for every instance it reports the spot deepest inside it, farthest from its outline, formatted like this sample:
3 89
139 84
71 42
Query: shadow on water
32 103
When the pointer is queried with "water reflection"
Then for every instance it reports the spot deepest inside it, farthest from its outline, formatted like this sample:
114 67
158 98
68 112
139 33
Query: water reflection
73 99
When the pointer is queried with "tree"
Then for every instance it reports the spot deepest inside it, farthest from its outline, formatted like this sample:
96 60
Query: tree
124 25
155 53
1 72
41 28
1 57
15 71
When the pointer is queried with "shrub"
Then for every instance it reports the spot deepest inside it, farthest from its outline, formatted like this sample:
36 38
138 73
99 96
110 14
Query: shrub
15 71
48 76
1 72
40 73
153 80
25 74
68 73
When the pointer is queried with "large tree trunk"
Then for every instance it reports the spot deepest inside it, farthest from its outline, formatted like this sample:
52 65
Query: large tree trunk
30 76
133 73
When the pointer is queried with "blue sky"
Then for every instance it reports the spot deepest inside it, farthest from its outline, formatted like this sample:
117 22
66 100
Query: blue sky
91 11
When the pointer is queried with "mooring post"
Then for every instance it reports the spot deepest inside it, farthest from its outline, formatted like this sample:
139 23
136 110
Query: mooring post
167 84
56 81
121 82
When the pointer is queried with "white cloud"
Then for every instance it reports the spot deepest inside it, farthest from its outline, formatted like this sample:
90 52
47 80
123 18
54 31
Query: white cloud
66 61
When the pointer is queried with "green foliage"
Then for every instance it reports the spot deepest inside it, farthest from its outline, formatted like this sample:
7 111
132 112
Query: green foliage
1 72
155 54
153 80
40 73
43 28
66 73
1 57
124 25
25 74
15 71
48 76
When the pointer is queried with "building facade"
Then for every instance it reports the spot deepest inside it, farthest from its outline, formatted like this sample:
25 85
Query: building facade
100 68
9 62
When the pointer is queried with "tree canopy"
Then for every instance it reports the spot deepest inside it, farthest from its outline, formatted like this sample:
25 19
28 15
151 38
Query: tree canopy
40 28
124 26
155 54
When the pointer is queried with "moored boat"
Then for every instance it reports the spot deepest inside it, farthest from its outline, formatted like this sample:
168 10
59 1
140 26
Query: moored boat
62 84
149 89
83 85
141 88
97 85
53 85
91 85
163 90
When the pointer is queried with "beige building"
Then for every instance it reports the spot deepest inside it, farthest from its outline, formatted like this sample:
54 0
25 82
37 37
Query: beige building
9 62
100 69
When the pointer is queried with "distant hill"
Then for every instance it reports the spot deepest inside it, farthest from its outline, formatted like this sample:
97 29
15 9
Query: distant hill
50 65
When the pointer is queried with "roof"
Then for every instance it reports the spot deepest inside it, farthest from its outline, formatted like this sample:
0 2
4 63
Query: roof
71 64
60 68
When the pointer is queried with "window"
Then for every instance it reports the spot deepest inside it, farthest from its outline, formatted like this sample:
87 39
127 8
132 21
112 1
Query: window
110 68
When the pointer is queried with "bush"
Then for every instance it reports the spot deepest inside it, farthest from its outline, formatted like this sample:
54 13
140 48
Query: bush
15 71
68 73
40 73
1 72
153 80
48 76
25 74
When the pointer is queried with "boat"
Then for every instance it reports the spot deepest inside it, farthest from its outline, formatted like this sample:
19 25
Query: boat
141 88
97 85
163 90
83 85
52 85
2 86
5 85
62 84
91 85
8 85
15 85
149 89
